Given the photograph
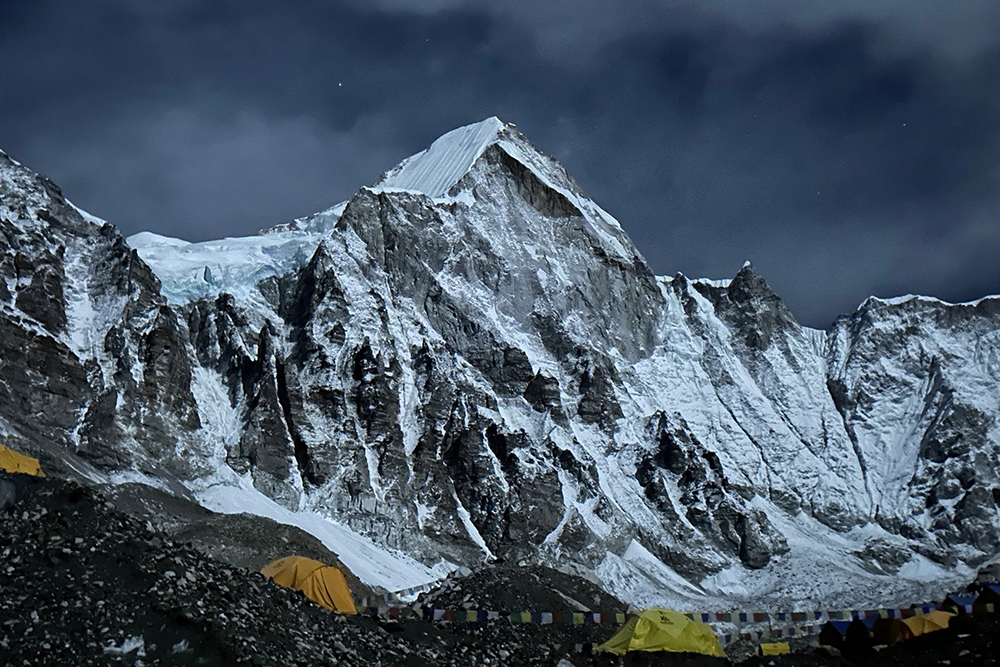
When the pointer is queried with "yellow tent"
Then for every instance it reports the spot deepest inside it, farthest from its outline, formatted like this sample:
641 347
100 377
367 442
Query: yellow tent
935 620
323 584
663 630
12 461
775 648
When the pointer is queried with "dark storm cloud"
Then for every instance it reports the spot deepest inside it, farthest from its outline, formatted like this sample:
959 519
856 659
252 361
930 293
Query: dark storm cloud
795 149
846 149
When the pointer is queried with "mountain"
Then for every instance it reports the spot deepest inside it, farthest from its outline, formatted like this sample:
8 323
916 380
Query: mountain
470 360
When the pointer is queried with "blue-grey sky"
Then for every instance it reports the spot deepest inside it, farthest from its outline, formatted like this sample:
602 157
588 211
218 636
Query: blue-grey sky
846 148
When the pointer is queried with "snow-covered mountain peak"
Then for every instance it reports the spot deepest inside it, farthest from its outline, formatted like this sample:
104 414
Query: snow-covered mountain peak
444 170
748 285
471 358
436 169
485 188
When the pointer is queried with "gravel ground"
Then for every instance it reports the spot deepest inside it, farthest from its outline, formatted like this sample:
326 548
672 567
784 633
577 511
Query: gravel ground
82 583
510 587
244 540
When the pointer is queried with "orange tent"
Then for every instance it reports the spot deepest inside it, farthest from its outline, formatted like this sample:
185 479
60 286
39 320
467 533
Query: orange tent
12 461
323 584
936 620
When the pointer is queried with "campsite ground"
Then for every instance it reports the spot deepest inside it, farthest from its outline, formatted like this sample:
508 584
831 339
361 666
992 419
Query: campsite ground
972 641
83 583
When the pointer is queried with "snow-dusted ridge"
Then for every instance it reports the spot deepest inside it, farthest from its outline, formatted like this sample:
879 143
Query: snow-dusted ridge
929 300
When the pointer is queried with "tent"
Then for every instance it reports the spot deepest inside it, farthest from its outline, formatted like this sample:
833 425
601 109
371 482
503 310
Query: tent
988 595
323 584
936 620
663 630
12 461
774 648
959 603
833 632
891 630
858 637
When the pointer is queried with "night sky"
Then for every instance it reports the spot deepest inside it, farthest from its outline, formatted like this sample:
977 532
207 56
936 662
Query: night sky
846 148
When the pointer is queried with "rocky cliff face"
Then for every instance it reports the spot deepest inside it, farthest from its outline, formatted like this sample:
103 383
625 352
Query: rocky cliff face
470 359
95 374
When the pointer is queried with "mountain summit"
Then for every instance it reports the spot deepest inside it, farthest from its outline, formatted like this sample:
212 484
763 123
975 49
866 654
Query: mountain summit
437 169
469 360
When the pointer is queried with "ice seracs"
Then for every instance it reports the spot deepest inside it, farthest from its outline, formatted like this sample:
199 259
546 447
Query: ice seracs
191 271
